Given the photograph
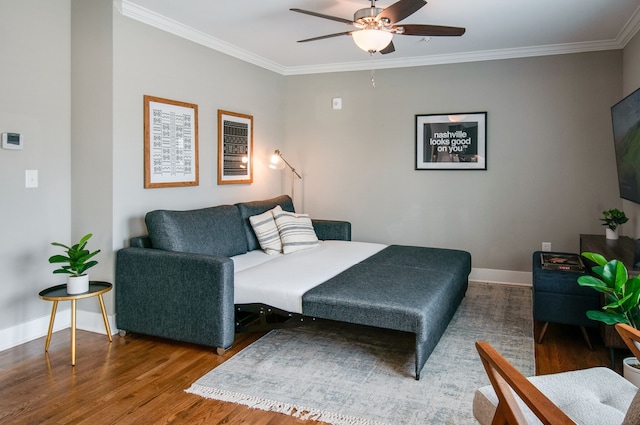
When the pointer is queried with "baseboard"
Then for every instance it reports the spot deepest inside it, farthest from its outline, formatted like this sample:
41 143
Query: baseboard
500 276
92 321
37 328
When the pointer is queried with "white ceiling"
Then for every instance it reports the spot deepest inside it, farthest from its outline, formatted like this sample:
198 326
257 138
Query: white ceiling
265 32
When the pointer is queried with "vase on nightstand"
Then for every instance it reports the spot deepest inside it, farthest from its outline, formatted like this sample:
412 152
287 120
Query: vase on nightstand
612 235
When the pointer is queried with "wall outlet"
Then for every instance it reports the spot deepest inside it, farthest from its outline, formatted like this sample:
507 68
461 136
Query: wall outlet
546 246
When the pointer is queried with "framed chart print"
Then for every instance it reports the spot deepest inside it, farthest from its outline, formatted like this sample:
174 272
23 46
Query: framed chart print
170 143
451 141
235 148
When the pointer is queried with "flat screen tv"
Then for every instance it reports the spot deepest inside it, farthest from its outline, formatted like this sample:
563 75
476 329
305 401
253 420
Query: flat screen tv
625 117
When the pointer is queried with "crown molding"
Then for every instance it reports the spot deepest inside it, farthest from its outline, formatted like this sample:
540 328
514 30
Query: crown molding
486 55
630 29
133 11
148 17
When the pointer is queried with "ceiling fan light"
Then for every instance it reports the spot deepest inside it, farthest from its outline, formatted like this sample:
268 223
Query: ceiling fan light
372 40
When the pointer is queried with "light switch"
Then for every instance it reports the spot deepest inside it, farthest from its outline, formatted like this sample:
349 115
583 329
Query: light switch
31 178
336 102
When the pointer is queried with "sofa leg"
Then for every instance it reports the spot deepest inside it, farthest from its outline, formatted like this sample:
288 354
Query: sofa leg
542 332
220 351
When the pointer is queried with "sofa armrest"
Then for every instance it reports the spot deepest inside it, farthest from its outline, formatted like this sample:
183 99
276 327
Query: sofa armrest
332 230
180 296
140 242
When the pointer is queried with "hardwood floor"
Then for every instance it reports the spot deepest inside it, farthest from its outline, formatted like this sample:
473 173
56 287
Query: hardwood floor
141 380
564 349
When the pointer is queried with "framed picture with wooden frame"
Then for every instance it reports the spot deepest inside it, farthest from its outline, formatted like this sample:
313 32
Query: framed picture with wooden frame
235 148
170 143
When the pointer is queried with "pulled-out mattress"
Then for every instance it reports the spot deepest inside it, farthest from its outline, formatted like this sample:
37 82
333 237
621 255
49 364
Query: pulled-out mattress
281 280
413 289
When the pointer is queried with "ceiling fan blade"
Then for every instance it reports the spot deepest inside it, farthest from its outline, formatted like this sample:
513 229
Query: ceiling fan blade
400 10
320 15
431 30
389 49
322 37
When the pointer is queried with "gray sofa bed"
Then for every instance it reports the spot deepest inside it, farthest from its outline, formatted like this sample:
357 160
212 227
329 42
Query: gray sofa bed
178 282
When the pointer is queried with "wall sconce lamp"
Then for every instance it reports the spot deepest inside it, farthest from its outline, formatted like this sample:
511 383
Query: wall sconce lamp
278 162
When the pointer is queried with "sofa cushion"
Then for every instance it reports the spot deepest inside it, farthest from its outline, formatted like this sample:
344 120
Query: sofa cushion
266 231
214 231
296 231
248 209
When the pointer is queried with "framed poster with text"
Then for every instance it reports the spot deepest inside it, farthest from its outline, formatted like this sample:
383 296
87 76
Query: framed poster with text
235 148
451 141
170 143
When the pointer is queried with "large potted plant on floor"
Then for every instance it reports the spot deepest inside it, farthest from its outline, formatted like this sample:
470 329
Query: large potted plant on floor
612 219
77 262
621 297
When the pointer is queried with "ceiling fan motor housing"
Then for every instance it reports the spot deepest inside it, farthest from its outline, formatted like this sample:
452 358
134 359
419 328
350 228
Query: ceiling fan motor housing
367 17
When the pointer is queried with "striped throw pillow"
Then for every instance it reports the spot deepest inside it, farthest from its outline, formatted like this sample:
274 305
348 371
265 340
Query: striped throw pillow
267 233
296 231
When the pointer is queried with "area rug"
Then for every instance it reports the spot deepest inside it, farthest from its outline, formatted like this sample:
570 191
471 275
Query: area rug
356 375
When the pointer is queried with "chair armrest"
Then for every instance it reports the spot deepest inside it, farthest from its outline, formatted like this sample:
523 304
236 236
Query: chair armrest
505 377
332 230
181 296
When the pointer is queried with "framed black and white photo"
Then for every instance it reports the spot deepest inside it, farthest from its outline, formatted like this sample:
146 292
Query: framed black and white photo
170 143
235 148
451 141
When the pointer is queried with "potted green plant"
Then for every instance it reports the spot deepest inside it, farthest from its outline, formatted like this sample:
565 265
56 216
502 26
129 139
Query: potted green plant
77 262
621 297
612 219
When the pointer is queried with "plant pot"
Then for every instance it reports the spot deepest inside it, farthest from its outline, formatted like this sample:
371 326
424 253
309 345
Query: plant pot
611 234
78 284
631 373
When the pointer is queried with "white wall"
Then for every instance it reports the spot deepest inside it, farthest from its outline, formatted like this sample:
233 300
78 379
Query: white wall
34 101
551 167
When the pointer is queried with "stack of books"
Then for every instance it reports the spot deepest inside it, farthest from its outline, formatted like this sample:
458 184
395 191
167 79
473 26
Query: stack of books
564 262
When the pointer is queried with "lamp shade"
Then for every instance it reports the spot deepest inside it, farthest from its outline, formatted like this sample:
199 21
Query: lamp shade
276 162
372 40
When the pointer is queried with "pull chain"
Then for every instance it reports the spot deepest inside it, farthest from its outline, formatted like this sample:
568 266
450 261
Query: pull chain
373 78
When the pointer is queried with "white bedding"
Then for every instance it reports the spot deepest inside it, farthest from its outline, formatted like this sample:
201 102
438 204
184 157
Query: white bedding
281 280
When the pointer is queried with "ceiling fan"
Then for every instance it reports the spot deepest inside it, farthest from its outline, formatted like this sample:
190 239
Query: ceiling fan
375 26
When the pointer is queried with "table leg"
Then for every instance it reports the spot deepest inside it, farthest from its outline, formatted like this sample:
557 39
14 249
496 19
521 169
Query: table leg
104 317
73 332
53 318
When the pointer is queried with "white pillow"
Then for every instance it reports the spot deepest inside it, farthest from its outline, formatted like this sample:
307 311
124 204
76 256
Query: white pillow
267 233
296 231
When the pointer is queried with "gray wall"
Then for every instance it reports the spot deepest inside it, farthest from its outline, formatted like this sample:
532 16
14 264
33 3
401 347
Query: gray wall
551 167
631 82
186 72
34 101
92 164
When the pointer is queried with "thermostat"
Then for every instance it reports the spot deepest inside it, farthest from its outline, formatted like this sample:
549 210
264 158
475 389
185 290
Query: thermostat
12 141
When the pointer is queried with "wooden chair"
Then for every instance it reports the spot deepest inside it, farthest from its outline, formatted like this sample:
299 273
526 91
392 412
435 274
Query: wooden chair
631 338
593 396
504 378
